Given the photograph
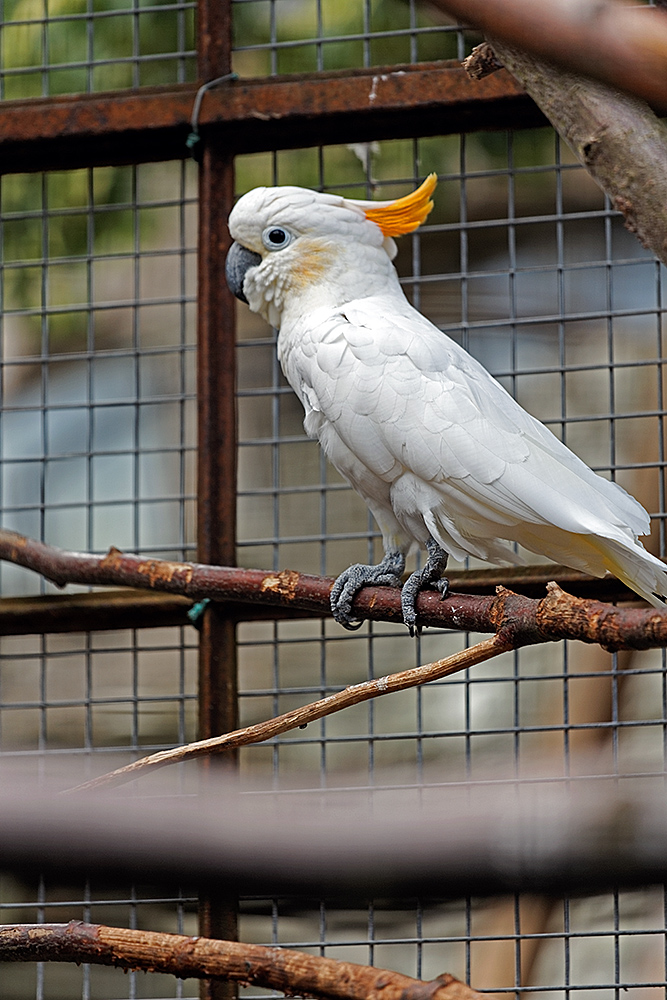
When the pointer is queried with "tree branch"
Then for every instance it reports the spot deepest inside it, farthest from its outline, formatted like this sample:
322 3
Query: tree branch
481 62
515 619
292 972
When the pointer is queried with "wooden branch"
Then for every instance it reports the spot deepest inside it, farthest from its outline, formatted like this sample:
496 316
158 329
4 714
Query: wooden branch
131 608
299 718
292 972
515 619
621 45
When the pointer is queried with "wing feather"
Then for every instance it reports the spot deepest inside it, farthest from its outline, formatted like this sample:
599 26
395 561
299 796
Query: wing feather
405 398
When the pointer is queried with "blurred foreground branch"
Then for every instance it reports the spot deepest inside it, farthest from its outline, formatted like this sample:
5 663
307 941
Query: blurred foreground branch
622 45
497 835
292 972
617 137
516 620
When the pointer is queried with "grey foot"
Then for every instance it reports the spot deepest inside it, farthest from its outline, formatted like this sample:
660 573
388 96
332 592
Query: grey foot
385 574
432 575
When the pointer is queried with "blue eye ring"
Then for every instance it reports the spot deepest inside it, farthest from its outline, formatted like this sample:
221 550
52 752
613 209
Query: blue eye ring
276 238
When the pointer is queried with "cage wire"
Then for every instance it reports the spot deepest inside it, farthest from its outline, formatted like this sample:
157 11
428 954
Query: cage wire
277 37
524 262
98 443
50 47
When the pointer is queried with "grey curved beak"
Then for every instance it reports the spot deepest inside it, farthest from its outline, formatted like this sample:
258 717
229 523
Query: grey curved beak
239 260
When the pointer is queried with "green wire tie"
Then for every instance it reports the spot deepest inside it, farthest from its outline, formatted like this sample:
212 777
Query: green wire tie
194 137
196 612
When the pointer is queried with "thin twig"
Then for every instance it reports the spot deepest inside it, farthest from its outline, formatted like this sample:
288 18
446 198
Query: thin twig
299 718
292 972
518 619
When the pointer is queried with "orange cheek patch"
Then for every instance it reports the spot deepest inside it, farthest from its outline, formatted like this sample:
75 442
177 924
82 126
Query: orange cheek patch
314 262
395 218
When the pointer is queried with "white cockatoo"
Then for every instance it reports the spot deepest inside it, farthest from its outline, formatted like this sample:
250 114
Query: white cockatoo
440 452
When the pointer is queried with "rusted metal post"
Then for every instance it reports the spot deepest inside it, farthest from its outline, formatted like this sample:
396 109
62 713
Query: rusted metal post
216 508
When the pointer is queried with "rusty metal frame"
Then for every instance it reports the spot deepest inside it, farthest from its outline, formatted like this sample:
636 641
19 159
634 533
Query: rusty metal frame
251 115
216 470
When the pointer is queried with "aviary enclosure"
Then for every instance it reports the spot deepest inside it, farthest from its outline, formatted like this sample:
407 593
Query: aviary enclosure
142 411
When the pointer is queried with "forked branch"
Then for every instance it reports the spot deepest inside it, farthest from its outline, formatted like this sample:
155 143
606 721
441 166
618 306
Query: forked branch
516 621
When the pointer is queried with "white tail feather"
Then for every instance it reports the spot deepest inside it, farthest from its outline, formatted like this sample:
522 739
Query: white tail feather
637 568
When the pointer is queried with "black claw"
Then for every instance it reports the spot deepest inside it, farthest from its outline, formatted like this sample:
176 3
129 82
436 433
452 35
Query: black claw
351 626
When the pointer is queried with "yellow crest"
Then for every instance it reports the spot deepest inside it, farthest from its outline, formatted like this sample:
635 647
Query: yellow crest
403 215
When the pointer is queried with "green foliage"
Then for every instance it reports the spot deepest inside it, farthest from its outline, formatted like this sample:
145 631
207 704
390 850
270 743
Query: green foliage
336 41
51 47
48 229
60 47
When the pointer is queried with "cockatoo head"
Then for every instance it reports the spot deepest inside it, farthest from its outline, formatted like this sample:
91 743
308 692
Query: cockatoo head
290 242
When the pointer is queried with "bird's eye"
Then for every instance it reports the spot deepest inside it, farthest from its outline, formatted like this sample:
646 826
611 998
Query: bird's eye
275 238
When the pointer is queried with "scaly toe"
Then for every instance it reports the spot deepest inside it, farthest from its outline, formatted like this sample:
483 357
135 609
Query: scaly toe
349 583
409 595
429 576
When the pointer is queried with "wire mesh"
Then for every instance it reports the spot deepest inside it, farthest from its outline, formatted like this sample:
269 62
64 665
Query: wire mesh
50 47
97 449
98 355
273 37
